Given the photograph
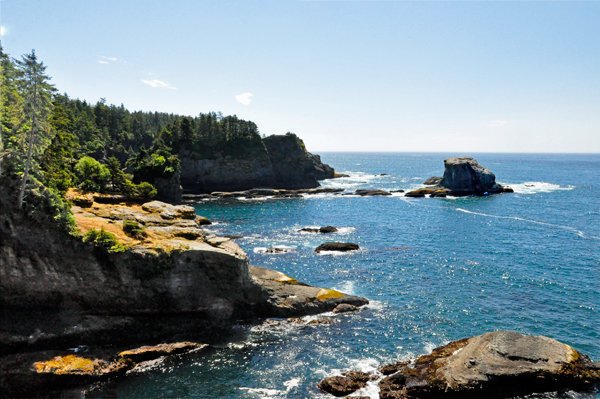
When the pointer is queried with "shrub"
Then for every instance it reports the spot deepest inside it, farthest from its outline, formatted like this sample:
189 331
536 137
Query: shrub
133 229
145 190
93 176
104 239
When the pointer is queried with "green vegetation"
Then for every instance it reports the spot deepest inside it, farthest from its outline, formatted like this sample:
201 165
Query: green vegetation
50 142
134 229
104 239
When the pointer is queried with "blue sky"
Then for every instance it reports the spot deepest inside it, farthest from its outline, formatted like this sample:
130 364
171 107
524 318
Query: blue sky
473 76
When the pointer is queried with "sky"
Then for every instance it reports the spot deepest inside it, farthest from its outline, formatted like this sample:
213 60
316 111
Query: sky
448 76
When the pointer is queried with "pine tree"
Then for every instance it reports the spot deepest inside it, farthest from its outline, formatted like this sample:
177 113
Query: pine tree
37 92
11 111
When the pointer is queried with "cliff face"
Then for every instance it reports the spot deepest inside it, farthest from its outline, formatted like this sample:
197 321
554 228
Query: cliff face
168 266
226 174
276 162
174 269
293 166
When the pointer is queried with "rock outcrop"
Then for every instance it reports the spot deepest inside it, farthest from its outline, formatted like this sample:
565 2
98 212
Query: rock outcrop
498 364
462 176
143 271
433 181
275 162
42 372
283 296
293 166
347 383
150 259
262 193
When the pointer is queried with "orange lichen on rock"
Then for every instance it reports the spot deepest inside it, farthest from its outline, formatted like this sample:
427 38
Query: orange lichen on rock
327 294
70 364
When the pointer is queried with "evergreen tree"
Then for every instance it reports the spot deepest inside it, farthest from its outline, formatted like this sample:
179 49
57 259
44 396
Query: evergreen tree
37 92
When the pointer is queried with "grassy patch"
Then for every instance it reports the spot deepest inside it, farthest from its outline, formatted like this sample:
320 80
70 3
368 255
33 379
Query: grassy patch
104 239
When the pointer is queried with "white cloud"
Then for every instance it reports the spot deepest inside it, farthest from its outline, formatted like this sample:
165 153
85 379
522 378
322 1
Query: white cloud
2 30
496 123
113 59
159 84
102 62
244 98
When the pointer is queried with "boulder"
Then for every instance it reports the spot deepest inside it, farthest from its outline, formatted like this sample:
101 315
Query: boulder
348 382
433 181
498 364
393 368
328 229
337 246
345 308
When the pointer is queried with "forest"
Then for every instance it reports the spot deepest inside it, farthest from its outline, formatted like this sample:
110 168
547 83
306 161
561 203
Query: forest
50 142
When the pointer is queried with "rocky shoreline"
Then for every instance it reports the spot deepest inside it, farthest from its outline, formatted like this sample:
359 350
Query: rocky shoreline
171 282
498 364
143 273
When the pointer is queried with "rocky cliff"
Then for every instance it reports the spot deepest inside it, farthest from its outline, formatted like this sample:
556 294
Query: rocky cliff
293 166
135 259
274 162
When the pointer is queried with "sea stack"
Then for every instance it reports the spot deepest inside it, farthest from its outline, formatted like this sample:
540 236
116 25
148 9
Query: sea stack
462 176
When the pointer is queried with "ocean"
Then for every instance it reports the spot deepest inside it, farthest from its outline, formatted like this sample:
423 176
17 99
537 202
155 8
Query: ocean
434 269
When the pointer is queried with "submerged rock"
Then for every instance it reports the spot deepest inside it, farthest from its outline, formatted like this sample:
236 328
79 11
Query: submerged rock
276 250
371 193
497 364
323 230
337 246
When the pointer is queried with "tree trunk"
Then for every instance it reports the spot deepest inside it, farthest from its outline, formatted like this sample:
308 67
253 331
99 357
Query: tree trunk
31 137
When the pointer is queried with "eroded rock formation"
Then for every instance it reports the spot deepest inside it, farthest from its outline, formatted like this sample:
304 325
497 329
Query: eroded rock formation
278 161
462 176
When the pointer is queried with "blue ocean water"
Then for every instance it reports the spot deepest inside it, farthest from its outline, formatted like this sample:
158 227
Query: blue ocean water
434 269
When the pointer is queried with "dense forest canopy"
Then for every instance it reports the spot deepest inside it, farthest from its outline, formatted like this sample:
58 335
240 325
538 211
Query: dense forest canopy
101 147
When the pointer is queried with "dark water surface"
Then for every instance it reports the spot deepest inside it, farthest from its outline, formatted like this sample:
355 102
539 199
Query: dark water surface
435 270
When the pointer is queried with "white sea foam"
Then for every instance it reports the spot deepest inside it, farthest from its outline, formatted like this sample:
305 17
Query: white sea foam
263 391
557 226
346 287
262 250
375 305
429 347
537 187
290 384
345 230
